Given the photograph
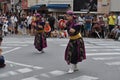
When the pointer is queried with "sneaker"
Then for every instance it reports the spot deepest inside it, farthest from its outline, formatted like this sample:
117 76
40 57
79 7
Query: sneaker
76 69
42 52
70 71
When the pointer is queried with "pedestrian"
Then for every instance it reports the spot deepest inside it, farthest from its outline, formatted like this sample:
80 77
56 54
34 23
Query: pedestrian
47 29
40 39
75 50
13 21
102 26
5 27
111 21
51 20
29 21
88 24
2 60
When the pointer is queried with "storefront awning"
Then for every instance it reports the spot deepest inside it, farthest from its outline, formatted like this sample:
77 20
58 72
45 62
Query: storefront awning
36 7
58 6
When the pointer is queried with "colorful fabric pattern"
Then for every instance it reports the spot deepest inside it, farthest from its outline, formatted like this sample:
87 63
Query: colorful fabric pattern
75 51
40 41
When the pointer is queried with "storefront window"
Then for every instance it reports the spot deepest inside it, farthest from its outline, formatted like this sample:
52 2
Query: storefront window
85 5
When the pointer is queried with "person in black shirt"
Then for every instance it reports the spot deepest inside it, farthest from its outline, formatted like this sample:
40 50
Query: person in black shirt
51 20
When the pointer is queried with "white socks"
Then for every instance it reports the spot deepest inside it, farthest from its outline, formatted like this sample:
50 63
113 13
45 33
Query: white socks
73 68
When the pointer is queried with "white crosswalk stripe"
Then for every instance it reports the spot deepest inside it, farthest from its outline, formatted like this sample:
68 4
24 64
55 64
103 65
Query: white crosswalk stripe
24 65
12 73
47 75
18 72
102 54
117 63
9 73
4 75
5 47
106 58
109 60
24 70
16 44
106 52
57 73
85 77
31 78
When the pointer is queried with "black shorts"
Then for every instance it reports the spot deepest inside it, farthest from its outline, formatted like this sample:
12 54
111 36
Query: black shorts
29 27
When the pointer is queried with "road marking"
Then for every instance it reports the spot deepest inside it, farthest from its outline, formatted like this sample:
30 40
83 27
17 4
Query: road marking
24 45
85 78
11 50
16 72
101 47
45 75
105 58
24 65
4 75
113 63
20 42
103 44
52 73
57 73
30 78
102 54
96 47
36 67
63 45
108 50
117 49
7 74
12 73
5 47
24 70
92 50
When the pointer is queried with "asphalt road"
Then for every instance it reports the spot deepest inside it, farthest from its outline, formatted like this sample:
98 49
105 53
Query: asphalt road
24 62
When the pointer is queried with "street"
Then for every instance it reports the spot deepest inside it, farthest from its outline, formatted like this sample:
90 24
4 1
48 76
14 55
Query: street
24 62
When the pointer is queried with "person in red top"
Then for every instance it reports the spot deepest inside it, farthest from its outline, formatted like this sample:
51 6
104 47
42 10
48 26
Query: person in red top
47 29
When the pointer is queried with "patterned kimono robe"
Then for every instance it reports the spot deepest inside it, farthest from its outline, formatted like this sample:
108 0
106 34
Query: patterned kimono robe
40 39
75 50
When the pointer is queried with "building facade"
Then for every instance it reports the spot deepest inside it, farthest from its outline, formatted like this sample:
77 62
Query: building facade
32 2
102 6
93 6
57 5
78 6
